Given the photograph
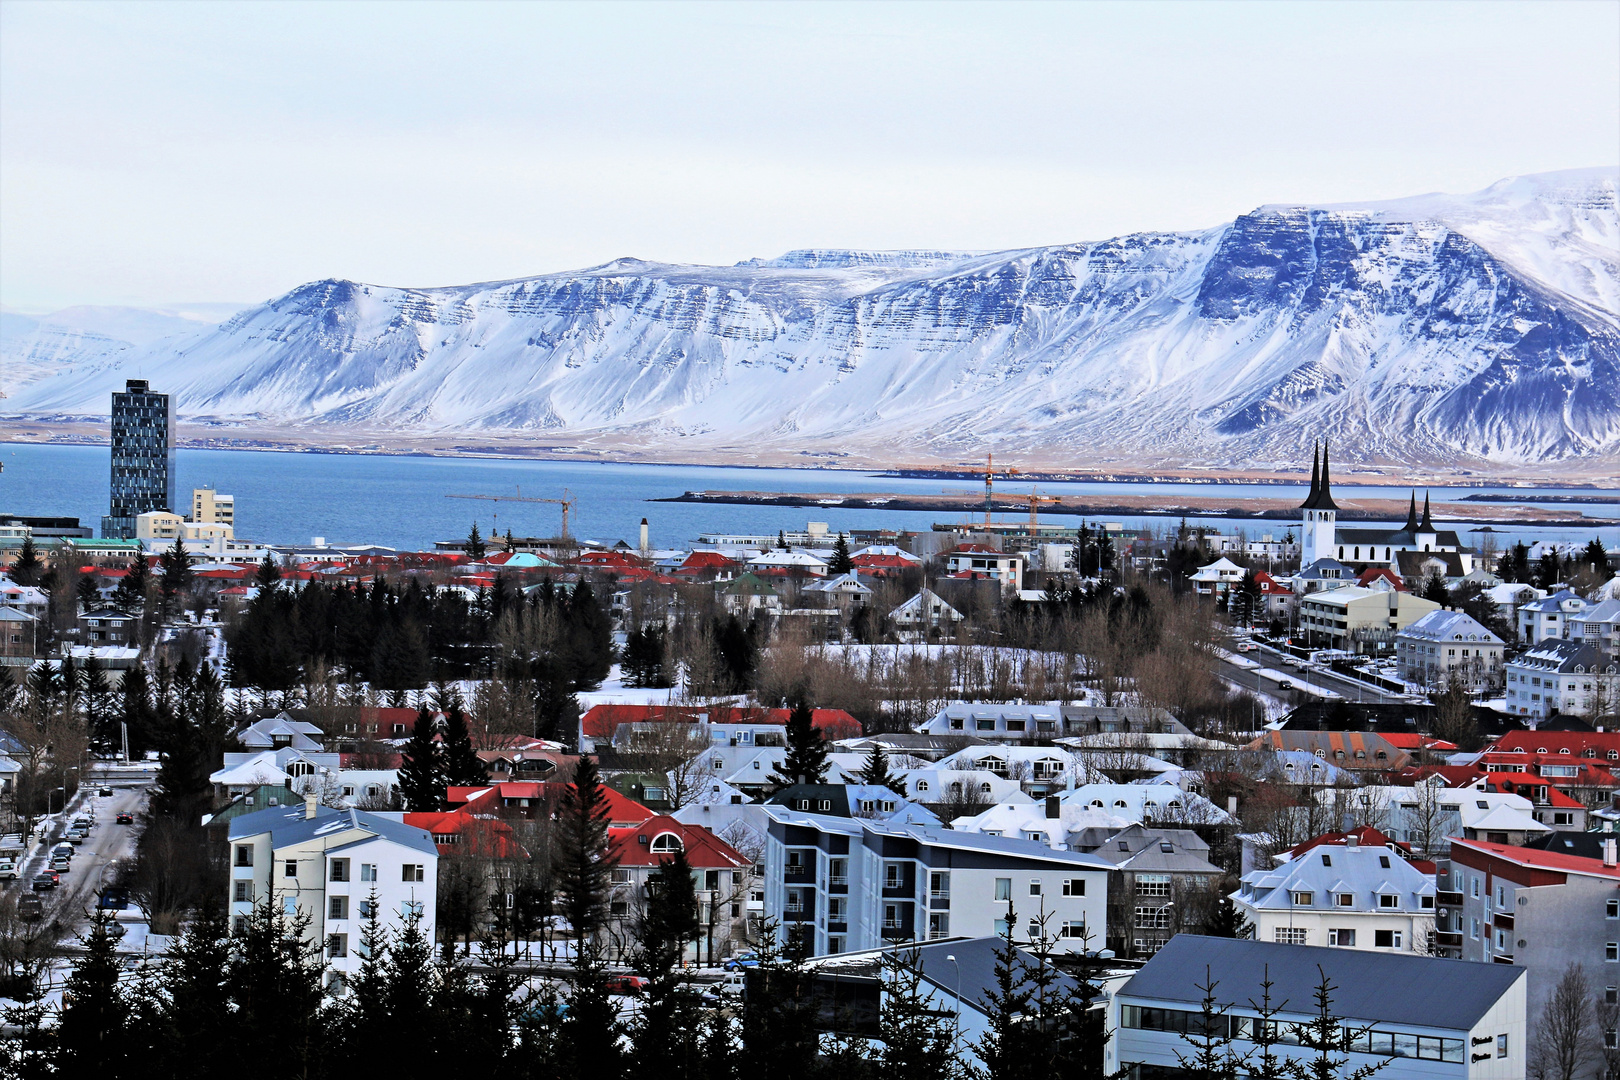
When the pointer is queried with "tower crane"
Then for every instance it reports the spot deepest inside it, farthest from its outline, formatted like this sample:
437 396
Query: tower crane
567 502
1035 500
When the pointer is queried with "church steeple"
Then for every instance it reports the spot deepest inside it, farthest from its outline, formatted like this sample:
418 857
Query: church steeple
1426 525
1411 514
1316 477
1324 496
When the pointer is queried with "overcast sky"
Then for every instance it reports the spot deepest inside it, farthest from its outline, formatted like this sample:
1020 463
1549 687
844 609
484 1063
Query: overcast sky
153 154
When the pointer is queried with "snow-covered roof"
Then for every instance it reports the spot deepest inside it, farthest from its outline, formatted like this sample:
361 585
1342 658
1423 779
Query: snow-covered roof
1449 626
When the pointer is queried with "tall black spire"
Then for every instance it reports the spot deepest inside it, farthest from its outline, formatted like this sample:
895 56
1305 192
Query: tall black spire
1411 514
1316 478
1426 525
1324 495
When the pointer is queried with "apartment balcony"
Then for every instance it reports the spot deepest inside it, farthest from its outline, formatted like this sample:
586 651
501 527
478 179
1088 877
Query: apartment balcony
1448 899
1502 920
1448 939
1503 958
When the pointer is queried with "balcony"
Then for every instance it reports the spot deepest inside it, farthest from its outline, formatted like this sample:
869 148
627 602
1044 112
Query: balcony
1448 899
837 880
793 870
1502 920
1448 939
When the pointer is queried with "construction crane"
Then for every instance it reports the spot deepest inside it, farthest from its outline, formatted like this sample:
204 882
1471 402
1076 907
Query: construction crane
1035 500
567 502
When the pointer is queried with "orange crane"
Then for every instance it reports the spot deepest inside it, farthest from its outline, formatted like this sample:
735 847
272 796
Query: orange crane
1035 500
567 502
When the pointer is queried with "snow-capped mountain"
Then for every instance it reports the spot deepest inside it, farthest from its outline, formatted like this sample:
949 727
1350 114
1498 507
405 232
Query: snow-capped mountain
1483 326
34 347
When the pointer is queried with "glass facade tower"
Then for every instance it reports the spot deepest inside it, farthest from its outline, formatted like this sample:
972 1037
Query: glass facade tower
143 472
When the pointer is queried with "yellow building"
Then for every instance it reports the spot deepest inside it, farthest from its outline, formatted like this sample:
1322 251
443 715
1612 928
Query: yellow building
162 525
1353 617
210 507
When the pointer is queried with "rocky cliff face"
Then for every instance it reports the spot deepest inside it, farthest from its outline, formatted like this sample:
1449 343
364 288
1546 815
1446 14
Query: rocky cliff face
1430 328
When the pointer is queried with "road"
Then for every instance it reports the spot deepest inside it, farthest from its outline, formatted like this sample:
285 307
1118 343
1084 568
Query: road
70 902
1348 689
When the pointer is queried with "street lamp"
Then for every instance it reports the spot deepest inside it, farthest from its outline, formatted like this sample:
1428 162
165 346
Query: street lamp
956 1018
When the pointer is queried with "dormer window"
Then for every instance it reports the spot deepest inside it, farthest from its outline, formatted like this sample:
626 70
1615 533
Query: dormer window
666 842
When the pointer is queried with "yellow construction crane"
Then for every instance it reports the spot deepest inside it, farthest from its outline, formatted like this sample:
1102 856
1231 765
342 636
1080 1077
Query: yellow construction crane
1035 500
567 502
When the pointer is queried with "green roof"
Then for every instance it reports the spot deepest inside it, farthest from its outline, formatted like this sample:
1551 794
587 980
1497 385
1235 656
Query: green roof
749 584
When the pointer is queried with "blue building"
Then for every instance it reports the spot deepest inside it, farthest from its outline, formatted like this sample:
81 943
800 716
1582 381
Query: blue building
143 469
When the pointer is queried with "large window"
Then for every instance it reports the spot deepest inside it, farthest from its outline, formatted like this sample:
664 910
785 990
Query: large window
1153 884
340 870
1003 888
244 854
1290 935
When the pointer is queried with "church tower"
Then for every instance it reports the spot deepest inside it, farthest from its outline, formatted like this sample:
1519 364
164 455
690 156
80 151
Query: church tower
1321 513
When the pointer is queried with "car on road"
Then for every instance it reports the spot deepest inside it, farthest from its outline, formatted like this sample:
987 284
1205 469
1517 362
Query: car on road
62 851
113 898
625 984
8 870
77 836
61 866
1284 684
729 987
46 879
1246 646
125 818
105 792
30 908
741 961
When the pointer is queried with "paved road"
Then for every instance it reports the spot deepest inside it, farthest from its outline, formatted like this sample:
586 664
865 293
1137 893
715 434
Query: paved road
1349 689
92 860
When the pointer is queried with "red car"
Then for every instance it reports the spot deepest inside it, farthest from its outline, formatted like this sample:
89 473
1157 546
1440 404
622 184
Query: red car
125 818
626 984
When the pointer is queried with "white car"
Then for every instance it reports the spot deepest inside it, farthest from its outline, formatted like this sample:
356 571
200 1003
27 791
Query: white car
8 870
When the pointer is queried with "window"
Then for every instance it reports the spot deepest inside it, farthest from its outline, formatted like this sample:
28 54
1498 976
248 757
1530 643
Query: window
666 842
1153 918
1290 935
1611 995
337 945
1074 887
1501 1046
290 868
1003 888
621 908
1344 937
337 907
1344 899
1034 888
364 907
1611 952
922 785
1075 928
893 876
244 854
1302 899
939 886
1388 900
838 871
1386 939
368 871
1611 909
243 892
340 870
1327 860
411 872
1153 884
939 924
891 916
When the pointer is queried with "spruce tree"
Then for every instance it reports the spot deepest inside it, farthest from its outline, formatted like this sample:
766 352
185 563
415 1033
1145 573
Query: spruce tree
779 1036
806 760
176 569
475 545
86 591
581 866
421 767
591 1032
1597 559
667 1033
90 1032
196 1010
273 981
1213 1056
1228 922
917 1043
876 772
27 567
1006 1045
841 563
462 765
267 574
1325 1035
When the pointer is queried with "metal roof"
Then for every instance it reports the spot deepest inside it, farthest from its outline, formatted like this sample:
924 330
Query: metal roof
1370 987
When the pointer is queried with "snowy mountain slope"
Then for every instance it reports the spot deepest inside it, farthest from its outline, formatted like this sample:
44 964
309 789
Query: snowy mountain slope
1484 325
34 347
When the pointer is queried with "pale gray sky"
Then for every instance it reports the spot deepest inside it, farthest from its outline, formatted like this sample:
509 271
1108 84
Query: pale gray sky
156 153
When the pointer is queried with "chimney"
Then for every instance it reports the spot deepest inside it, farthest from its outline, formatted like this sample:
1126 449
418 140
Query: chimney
1351 840
312 803
643 536
1231 805
1054 808
1609 852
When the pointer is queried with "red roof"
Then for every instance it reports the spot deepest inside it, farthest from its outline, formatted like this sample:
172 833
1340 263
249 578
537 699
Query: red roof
633 845
490 798
1592 745
609 558
974 549
1536 859
1374 573
1412 740
707 560
473 834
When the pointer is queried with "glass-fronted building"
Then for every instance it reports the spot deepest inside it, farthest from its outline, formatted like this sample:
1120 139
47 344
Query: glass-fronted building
143 470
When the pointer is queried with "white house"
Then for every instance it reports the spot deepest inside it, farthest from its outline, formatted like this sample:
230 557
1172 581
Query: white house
331 866
1548 617
1347 896
933 784
976 561
1556 676
792 561
1430 649
996 721
923 614
1163 804
1216 578
1046 822
1039 768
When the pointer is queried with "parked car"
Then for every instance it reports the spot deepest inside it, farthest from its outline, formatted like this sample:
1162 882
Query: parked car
8 869
729 987
113 898
64 851
61 866
77 836
30 908
625 984
85 823
1284 684
46 879
125 818
740 961
105 793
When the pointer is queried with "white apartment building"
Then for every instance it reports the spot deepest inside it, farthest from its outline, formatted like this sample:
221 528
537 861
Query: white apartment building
1547 618
331 866
1442 642
1347 897
847 884
1555 676
981 561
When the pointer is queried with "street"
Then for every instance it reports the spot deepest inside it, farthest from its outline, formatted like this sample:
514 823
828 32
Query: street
1250 679
71 901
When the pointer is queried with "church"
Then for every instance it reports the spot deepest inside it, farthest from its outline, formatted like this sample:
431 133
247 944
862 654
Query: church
1414 551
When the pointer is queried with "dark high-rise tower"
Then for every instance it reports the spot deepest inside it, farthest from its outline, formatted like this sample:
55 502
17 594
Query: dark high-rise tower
143 471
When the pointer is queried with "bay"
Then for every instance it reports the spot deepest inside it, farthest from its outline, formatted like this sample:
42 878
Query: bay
400 501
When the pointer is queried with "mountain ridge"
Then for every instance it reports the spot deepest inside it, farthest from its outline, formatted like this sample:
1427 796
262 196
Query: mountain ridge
1484 327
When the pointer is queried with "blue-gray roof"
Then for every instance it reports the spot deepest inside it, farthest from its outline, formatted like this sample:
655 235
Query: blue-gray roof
1370 987
287 825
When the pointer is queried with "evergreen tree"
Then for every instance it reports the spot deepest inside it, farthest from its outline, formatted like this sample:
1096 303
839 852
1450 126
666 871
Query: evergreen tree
462 765
917 1042
1597 559
1549 571
591 1033
806 760
841 562
589 640
1264 1062
1325 1034
196 1012
27 568
135 711
475 545
273 980
556 709
581 866
1213 1056
1434 588
1228 922
667 1033
737 650
86 591
779 1014
1005 1047
176 569
267 574
421 767
90 1033
876 772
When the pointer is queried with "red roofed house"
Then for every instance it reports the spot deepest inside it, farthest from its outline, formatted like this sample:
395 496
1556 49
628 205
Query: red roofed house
463 832
1275 595
1365 836
707 566
722 876
533 799
1580 763
1381 577
1542 910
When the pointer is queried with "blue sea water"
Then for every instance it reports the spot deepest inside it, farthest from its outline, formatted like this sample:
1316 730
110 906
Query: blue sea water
401 502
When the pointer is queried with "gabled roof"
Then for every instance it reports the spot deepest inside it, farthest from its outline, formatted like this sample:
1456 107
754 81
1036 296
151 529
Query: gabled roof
1371 987
288 825
1539 859
632 845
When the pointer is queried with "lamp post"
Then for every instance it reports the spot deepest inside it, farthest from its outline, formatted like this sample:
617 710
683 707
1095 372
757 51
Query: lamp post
956 1017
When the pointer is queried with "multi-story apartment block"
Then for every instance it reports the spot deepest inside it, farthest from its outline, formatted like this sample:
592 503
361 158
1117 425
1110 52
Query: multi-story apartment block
847 884
1541 910
1548 619
1444 644
143 470
330 866
210 507
1410 1017
1346 896
1557 676
1599 627
1359 619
